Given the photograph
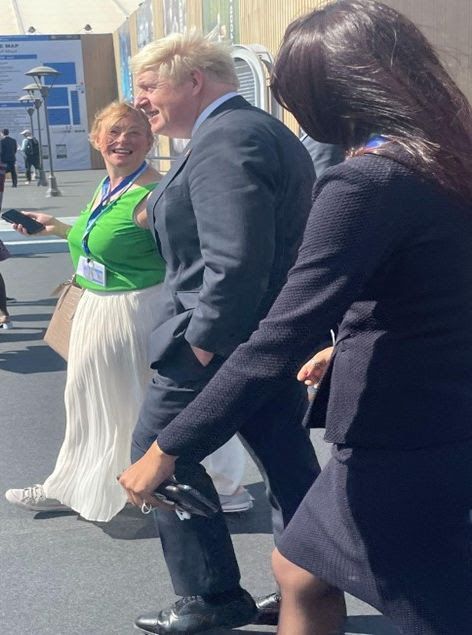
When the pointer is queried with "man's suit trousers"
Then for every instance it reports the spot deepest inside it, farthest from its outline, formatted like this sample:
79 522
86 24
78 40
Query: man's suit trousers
199 551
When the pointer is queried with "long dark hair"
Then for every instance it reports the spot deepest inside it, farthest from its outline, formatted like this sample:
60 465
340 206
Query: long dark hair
358 67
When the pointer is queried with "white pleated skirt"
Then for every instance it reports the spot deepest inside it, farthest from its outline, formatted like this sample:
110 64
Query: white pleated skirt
107 374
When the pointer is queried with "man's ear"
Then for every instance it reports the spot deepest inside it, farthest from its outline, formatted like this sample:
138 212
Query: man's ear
197 78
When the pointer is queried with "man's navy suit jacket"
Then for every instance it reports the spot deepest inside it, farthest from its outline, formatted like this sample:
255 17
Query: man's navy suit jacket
228 219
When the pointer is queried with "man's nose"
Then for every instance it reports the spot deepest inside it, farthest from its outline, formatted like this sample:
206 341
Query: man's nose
138 99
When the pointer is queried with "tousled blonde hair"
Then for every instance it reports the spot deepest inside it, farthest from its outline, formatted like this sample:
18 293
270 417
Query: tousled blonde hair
178 54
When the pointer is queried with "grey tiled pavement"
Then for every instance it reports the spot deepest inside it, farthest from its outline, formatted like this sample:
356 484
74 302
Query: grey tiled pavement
61 575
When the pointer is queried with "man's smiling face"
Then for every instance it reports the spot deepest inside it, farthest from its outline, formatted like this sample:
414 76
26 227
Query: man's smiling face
171 108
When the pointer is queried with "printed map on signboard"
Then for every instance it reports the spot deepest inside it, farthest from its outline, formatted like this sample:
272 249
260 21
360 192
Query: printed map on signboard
66 100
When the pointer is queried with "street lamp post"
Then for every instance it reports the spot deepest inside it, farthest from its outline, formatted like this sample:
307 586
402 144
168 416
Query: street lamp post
38 74
32 89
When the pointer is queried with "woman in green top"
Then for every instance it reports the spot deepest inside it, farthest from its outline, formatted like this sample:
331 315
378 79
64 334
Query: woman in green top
117 263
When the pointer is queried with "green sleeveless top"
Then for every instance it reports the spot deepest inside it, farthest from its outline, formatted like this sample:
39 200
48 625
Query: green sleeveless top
128 252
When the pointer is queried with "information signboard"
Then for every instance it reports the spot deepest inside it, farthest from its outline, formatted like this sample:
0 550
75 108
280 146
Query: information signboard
66 100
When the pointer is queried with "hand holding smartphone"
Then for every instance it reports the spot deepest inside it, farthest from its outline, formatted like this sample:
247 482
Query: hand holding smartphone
15 217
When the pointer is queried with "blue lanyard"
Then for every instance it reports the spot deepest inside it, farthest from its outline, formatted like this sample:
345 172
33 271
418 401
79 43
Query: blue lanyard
375 142
105 203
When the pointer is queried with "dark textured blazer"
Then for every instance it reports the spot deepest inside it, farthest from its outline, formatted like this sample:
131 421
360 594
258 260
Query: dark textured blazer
228 219
388 255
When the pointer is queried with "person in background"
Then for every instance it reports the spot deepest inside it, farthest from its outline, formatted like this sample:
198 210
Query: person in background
5 321
90 494
386 254
229 216
8 149
226 468
31 153
116 262
323 155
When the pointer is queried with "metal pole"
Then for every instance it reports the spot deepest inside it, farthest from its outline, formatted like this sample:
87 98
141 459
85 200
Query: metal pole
42 176
52 190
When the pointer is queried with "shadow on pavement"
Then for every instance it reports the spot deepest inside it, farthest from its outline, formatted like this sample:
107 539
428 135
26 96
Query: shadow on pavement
30 317
43 302
28 361
255 521
29 255
56 514
20 333
130 524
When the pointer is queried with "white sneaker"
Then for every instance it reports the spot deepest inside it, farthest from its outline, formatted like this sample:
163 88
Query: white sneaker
6 325
33 498
240 501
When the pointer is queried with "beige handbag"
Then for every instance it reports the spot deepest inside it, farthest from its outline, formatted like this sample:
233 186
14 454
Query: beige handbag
57 334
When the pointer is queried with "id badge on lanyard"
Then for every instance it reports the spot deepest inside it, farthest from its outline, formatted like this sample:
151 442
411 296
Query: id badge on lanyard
92 271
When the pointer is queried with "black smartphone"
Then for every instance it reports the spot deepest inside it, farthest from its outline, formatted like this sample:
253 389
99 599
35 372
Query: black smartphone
186 498
18 218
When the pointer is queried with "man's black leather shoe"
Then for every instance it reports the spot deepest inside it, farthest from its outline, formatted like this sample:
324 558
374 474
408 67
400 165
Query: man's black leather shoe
268 608
194 615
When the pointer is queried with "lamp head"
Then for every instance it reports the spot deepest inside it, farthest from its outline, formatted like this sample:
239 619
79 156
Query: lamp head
40 72
31 89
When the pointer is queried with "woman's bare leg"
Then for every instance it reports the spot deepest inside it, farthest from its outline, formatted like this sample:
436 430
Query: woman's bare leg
309 606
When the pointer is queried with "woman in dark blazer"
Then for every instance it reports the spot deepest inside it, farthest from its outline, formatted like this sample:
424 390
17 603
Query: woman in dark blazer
387 255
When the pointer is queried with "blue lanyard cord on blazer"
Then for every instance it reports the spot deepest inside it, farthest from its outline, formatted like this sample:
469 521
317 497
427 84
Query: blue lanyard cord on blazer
375 141
105 201
370 146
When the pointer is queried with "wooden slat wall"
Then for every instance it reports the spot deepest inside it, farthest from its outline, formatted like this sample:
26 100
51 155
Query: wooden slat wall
158 16
446 23
195 13
101 86
264 22
116 48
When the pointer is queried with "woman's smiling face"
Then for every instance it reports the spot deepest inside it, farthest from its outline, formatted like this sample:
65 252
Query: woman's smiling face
125 143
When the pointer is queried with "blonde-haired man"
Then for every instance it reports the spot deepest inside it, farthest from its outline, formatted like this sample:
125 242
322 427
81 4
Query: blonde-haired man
228 219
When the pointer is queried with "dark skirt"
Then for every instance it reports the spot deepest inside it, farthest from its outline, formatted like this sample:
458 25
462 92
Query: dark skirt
393 528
